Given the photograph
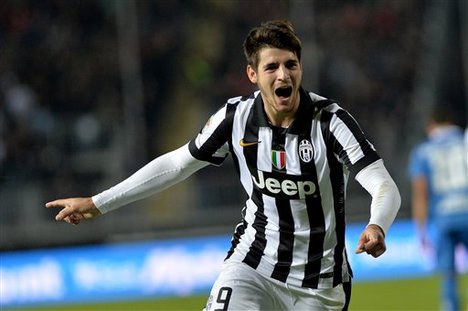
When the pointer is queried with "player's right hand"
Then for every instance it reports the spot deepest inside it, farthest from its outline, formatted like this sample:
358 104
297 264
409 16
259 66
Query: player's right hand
73 210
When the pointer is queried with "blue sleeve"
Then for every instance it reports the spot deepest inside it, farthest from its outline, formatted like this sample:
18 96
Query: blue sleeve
418 165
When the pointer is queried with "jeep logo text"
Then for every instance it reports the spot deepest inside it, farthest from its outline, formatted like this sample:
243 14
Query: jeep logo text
291 187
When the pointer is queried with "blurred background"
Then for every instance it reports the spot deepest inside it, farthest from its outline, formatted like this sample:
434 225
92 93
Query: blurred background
91 90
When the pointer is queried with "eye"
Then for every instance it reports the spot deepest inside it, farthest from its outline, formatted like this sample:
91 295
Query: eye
270 67
291 65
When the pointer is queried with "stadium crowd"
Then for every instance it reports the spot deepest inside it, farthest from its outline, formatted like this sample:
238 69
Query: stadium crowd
60 83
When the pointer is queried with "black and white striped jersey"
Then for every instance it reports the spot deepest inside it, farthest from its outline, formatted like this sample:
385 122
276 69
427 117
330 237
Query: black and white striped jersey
293 226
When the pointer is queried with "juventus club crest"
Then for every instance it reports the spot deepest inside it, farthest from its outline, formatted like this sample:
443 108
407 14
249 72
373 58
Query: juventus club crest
278 158
306 151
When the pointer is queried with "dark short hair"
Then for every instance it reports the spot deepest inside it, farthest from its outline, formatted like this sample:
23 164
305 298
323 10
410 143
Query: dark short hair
276 34
442 113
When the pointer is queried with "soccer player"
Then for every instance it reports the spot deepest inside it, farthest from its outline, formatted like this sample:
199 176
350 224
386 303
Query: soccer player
293 150
438 169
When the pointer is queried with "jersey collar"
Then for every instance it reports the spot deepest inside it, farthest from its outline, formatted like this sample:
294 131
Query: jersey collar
304 114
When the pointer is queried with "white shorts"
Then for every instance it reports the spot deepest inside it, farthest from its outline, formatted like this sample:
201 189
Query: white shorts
239 287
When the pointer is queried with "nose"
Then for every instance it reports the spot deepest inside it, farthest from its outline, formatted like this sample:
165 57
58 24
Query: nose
283 73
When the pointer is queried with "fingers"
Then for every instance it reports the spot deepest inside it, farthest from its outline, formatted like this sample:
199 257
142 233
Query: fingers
379 251
372 242
360 249
374 249
73 219
68 213
74 210
65 214
56 203
66 209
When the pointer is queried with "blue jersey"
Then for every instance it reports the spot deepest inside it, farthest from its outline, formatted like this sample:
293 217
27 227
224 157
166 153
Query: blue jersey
443 161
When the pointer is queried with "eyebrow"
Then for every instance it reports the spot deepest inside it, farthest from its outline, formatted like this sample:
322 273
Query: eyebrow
288 62
269 65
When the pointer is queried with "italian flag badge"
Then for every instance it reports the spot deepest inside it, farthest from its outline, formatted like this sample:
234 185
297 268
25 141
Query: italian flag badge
278 159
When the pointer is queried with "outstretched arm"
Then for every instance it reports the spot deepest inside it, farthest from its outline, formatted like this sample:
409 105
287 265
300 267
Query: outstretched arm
156 176
385 203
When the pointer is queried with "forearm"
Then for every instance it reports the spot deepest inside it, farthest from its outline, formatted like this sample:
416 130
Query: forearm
386 198
419 203
156 176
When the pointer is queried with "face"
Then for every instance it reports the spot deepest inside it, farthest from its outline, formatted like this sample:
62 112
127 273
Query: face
278 77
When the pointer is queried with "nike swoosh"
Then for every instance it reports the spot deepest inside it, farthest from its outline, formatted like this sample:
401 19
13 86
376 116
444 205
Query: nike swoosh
248 143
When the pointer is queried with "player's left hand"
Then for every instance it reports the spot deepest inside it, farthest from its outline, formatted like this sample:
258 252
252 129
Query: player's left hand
372 241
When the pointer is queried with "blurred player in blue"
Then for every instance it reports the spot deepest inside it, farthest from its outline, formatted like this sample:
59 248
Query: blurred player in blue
439 179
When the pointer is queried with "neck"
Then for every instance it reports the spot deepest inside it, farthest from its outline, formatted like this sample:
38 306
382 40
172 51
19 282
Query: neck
279 121
282 118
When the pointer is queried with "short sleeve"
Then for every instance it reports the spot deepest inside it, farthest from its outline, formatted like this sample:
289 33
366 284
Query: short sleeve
417 165
211 143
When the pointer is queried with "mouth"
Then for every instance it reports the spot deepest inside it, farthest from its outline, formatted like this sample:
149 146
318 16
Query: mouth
284 91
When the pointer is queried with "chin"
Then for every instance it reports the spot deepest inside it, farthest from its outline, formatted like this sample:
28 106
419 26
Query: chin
284 108
284 103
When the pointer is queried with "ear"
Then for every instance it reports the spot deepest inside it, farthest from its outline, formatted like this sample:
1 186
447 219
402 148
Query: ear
252 74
